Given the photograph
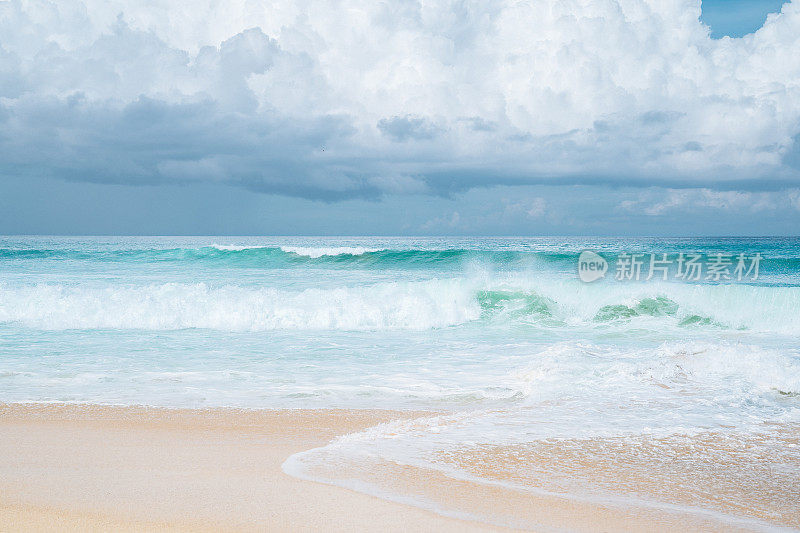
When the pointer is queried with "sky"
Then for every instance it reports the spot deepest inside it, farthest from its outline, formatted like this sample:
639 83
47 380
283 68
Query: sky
737 18
356 117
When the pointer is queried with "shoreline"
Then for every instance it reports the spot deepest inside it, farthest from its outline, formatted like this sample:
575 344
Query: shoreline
92 467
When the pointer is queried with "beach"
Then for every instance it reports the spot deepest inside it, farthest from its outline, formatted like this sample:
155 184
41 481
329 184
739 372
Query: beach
76 468
68 467
396 383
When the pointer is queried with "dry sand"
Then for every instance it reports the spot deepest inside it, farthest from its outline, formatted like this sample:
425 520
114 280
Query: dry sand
71 467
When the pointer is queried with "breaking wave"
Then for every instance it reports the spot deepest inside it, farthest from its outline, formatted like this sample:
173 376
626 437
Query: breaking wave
283 256
316 253
266 257
401 305
235 308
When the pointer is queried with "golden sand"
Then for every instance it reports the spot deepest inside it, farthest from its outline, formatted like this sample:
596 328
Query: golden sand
75 467
81 467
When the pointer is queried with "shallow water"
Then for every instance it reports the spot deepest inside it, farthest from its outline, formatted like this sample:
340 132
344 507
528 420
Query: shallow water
499 334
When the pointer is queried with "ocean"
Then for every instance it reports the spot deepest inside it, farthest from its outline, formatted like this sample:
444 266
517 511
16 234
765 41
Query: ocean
517 361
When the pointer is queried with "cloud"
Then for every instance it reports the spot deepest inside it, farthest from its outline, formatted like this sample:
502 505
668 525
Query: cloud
404 128
445 222
664 202
531 208
794 198
363 99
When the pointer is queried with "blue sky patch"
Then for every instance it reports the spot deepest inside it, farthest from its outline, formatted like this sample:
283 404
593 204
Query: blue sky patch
736 18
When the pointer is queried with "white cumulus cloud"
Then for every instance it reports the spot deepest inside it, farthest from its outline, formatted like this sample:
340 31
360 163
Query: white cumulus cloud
352 98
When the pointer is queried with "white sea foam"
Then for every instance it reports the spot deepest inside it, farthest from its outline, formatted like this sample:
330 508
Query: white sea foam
578 390
236 248
402 305
422 305
317 252
729 306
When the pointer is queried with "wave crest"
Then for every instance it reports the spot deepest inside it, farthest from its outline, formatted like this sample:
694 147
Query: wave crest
422 305
315 253
408 305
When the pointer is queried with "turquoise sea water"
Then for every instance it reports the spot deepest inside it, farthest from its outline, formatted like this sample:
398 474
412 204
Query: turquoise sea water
500 333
